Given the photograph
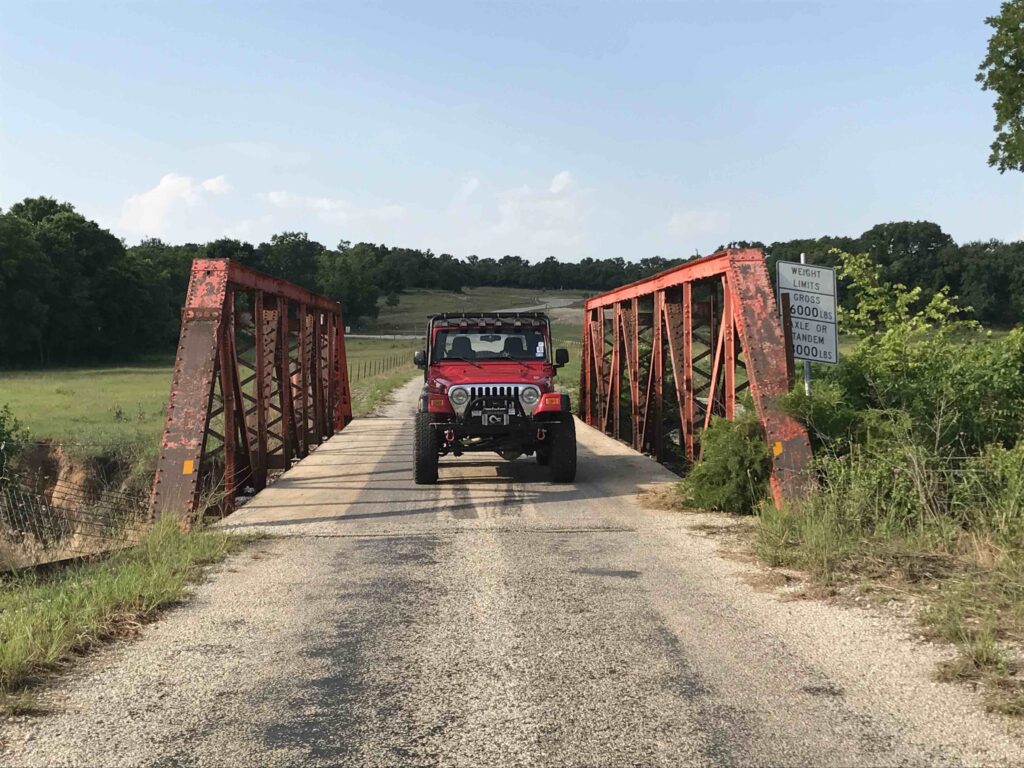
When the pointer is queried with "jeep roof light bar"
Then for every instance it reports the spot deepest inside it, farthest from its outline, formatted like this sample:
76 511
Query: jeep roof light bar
483 321
479 315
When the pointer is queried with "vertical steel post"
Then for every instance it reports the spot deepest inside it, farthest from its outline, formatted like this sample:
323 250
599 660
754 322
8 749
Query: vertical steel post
716 365
261 386
289 437
304 380
227 393
729 350
807 363
655 391
583 398
316 334
687 403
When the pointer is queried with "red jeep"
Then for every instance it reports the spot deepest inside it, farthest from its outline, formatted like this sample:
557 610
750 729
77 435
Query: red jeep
489 387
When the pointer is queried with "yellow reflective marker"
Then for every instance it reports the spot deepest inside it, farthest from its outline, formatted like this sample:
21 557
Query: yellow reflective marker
776 448
188 467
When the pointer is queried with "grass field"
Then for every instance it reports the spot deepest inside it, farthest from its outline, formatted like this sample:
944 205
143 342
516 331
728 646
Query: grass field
101 409
410 316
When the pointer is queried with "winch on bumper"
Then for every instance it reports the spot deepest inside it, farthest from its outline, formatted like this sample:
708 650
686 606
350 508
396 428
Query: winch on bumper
495 411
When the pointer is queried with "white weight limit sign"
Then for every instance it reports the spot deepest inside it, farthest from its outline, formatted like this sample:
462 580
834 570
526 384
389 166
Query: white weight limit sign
812 310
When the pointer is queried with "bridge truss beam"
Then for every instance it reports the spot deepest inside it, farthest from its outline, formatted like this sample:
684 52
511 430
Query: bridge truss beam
664 355
260 378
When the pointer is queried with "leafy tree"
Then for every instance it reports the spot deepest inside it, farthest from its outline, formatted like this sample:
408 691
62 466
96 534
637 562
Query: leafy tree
73 293
345 275
82 255
292 256
35 209
236 250
907 250
881 306
1002 71
12 436
25 272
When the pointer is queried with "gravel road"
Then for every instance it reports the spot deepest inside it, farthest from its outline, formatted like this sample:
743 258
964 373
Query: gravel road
498 620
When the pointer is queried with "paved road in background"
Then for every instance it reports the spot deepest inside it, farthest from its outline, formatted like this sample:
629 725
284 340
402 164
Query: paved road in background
499 620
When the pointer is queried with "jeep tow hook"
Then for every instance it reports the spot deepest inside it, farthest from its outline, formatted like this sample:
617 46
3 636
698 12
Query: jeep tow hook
541 435
449 435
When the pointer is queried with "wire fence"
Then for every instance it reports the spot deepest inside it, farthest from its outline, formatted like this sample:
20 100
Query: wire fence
364 369
64 520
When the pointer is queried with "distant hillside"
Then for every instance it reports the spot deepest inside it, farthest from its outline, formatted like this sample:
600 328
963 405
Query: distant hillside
409 315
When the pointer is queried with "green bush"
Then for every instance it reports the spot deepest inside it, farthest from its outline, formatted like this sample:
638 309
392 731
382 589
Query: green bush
919 444
831 421
732 475
990 494
12 436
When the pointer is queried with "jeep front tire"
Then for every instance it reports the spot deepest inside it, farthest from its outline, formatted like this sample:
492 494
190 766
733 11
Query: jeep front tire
562 457
425 451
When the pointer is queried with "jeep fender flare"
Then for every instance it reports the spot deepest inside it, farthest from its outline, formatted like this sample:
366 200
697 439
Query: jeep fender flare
551 414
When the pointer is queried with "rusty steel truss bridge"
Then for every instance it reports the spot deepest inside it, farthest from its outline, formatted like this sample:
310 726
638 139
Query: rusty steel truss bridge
664 355
260 376
260 379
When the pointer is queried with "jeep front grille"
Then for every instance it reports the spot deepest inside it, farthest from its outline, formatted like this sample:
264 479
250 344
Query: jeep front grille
498 390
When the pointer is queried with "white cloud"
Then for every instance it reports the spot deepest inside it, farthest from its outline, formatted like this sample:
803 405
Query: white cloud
336 210
689 224
218 185
560 183
148 213
540 217
530 221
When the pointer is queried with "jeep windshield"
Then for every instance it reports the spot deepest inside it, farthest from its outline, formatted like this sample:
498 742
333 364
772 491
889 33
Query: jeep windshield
482 344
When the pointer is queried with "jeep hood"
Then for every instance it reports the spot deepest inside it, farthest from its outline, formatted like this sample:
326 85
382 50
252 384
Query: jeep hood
453 373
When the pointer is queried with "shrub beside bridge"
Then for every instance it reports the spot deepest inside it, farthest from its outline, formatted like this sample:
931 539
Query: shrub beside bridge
918 438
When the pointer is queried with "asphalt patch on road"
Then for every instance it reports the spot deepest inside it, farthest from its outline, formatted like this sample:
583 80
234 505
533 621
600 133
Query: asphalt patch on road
349 712
620 574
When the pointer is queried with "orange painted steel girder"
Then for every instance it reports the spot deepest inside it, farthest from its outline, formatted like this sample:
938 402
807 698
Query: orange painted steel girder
717 321
260 377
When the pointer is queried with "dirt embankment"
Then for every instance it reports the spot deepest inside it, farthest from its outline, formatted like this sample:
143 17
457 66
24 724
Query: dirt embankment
66 506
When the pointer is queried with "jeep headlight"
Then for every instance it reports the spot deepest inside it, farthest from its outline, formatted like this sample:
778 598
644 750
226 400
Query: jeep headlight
458 396
529 396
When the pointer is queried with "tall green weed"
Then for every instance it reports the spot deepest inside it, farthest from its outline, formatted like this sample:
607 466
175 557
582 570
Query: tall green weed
732 475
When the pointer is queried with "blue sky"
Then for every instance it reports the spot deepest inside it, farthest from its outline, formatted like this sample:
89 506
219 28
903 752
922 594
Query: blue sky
593 129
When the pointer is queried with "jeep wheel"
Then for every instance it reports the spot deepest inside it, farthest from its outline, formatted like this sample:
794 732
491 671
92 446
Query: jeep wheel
543 455
425 451
563 452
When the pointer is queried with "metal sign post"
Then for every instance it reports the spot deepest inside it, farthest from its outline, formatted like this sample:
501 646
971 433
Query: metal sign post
809 293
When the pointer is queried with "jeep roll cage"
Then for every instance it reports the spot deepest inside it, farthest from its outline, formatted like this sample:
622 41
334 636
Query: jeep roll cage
469 320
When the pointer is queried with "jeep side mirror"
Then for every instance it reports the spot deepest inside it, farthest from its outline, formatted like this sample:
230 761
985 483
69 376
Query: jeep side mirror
419 357
561 357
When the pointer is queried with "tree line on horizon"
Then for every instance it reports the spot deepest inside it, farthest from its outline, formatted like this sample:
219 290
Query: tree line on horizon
74 293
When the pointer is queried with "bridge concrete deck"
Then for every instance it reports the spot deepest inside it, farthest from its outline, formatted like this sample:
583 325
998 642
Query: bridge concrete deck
496 620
